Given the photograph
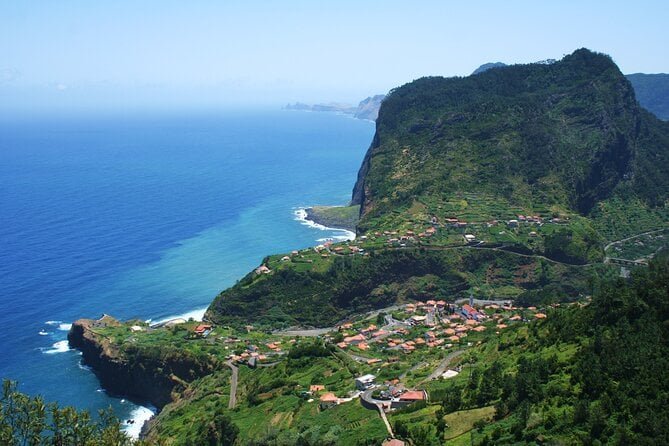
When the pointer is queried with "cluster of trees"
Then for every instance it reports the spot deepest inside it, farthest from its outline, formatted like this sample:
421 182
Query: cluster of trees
593 375
29 421
352 285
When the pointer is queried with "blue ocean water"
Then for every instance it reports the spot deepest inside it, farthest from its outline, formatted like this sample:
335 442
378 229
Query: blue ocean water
148 216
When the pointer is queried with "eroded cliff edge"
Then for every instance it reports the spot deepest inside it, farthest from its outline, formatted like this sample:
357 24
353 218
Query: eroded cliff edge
141 373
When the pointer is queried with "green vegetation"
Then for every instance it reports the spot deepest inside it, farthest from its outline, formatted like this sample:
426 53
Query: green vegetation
344 217
565 144
354 284
520 183
274 407
26 420
594 374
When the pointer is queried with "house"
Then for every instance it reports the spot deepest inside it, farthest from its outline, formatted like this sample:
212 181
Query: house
354 340
203 330
469 238
316 388
417 319
513 223
414 395
381 332
328 400
470 312
393 442
540 316
365 382
262 269
285 259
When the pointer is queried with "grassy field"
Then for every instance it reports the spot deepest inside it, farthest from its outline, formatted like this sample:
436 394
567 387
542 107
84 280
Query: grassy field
463 421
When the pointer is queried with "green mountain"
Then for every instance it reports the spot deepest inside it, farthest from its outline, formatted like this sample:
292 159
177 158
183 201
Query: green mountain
529 183
568 134
565 143
652 92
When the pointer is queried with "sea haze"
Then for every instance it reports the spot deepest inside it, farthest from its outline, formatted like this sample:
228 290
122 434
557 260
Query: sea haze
147 217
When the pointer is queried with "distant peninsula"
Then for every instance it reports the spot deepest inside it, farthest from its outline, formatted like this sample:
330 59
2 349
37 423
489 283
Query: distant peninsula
367 108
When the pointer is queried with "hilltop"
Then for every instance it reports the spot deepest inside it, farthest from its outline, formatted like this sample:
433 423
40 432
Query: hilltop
510 183
651 90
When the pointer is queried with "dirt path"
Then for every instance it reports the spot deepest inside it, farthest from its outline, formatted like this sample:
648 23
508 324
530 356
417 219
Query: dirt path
233 384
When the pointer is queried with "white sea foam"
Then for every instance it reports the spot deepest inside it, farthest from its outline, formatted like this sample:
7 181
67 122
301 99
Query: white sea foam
83 367
53 322
58 347
64 327
43 333
343 234
138 416
197 315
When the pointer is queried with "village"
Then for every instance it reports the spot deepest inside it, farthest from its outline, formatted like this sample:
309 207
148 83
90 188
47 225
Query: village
387 344
432 233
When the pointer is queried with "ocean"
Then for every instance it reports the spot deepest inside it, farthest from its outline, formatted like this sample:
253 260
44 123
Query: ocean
149 216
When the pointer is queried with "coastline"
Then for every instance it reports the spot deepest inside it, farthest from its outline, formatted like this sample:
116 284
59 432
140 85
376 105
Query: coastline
304 217
137 424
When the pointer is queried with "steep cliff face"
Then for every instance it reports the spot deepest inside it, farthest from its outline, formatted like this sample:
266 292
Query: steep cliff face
140 374
568 134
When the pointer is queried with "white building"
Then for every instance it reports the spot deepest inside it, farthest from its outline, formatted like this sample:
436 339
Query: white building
365 382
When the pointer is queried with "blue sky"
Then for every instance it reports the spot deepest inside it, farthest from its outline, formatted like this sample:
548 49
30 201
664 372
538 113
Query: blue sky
76 53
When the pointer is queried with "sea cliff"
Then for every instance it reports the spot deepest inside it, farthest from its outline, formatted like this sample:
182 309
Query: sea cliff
139 373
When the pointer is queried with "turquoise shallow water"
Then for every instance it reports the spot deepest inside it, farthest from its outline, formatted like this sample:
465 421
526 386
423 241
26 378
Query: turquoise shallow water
149 216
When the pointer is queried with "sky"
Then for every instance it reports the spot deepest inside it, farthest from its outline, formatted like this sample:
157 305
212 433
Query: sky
132 53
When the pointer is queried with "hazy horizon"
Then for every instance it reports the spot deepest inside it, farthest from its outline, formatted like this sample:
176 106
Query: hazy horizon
81 55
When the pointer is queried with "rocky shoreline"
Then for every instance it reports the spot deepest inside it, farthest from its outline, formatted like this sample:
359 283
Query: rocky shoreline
336 217
116 373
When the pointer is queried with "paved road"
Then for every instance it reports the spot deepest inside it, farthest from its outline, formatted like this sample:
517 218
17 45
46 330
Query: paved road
484 301
233 384
443 365
313 332
415 367
631 238
367 397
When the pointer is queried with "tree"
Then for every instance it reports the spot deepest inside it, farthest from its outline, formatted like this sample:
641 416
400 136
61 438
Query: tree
26 420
